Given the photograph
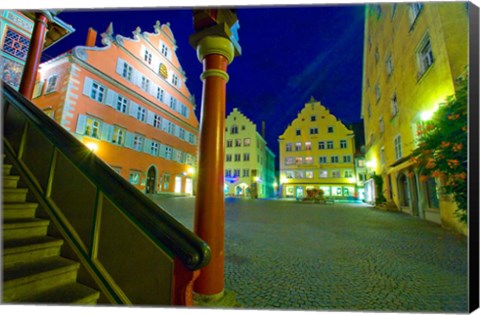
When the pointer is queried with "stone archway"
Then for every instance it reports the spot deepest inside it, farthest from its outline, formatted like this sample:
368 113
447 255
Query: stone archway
151 180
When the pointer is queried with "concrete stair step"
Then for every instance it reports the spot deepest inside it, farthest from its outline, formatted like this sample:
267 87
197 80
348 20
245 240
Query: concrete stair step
22 281
30 249
72 293
6 169
19 210
10 181
24 228
14 195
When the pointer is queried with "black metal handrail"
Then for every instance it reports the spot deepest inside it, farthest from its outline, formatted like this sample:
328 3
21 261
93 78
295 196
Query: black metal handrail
164 230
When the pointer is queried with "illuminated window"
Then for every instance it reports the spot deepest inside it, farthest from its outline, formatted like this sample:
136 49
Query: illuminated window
51 84
238 142
298 146
308 146
323 174
118 135
246 142
298 160
92 127
308 160
299 174
289 174
309 174
16 44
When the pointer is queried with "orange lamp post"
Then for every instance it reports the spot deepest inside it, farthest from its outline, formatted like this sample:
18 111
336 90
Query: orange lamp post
35 49
216 44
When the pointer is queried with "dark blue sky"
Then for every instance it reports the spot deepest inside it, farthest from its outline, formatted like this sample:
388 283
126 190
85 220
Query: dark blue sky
289 54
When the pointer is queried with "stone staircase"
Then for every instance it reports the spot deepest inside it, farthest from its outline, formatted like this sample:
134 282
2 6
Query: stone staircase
33 270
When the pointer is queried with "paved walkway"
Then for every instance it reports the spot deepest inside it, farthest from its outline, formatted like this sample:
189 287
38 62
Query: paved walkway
336 257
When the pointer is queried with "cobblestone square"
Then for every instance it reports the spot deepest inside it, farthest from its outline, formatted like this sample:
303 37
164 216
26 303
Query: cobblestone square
287 255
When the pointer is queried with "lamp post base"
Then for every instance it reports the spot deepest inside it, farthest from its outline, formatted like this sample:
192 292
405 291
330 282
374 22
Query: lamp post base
219 300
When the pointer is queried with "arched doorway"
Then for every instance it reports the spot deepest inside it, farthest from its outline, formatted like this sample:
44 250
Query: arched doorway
403 191
151 179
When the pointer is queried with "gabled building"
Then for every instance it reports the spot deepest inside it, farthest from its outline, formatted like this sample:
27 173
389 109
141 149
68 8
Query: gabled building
249 163
414 53
317 151
129 103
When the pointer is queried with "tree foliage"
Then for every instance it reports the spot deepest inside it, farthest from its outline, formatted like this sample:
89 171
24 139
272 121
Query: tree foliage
442 148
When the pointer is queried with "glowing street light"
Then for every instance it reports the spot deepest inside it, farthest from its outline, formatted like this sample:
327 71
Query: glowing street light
92 146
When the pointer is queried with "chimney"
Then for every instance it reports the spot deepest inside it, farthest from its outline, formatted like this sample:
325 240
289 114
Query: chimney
263 129
91 37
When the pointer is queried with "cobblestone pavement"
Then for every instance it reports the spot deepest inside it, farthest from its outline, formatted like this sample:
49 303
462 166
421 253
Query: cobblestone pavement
287 255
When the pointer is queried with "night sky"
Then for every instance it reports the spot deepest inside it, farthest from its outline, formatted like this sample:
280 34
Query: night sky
288 55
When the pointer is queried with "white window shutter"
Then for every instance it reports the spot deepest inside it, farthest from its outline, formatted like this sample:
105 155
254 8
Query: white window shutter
87 86
155 64
177 131
136 78
153 89
129 140
106 132
150 117
133 109
147 146
111 98
81 123
166 98
120 64
162 150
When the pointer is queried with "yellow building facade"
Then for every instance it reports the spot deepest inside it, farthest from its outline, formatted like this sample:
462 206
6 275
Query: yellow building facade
414 54
248 165
317 151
